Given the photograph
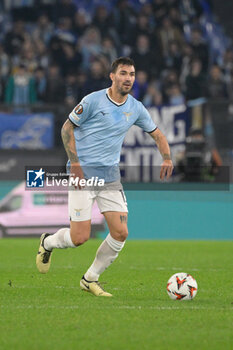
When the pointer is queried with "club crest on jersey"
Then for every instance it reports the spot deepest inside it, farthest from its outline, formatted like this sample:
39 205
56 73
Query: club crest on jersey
78 109
127 115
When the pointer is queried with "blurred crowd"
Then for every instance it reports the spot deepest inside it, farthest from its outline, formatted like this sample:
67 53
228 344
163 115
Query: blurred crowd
56 52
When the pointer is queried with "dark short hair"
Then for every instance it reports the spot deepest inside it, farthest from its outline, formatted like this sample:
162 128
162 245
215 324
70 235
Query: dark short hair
121 60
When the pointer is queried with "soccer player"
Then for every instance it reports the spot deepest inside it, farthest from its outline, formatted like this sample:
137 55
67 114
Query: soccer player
93 136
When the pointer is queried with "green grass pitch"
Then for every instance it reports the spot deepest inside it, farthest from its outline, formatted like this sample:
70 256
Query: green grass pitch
51 312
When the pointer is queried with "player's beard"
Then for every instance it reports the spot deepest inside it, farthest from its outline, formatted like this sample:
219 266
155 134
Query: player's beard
123 92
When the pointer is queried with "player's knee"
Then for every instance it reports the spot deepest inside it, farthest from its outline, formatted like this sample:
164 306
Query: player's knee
79 238
122 234
80 232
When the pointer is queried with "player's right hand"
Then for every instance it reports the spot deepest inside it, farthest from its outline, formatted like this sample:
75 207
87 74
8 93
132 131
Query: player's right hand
166 169
77 172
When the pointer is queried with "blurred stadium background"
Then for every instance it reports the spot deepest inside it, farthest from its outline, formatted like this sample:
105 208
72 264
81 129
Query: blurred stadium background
52 53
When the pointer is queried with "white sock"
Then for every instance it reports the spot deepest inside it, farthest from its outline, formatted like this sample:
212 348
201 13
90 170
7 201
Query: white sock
60 239
105 255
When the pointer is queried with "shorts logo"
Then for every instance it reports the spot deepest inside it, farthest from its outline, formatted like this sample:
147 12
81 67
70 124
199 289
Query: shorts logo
35 178
77 211
78 109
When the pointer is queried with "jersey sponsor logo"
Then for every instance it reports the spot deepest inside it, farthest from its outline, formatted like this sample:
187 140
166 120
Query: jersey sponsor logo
104 113
127 115
78 109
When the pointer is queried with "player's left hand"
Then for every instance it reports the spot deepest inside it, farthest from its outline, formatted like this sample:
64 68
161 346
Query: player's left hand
166 169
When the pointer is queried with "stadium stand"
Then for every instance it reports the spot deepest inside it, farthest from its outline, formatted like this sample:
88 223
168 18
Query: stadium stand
52 52
82 37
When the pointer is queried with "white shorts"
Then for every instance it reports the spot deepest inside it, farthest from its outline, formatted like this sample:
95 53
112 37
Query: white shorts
81 201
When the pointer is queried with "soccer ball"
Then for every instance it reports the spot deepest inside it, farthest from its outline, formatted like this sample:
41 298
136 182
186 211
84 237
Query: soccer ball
181 286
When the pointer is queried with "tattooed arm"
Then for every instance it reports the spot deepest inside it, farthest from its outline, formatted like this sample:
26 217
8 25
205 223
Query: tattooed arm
162 144
67 134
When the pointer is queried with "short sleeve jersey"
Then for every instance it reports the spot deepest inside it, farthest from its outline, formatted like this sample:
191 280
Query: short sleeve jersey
101 127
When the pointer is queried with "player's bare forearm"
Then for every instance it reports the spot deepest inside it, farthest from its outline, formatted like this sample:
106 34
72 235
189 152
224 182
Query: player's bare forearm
162 144
67 134
164 149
